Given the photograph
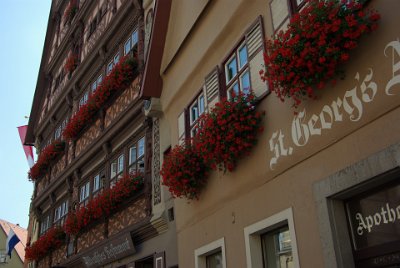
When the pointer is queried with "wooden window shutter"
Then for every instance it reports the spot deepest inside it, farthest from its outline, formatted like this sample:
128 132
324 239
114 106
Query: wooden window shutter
212 88
255 38
181 127
159 260
255 48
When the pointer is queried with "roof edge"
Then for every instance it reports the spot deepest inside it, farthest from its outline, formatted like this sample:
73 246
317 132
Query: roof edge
152 81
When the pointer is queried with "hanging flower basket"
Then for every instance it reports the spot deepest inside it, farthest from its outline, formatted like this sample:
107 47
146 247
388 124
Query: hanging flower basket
47 157
50 241
228 132
309 53
184 172
120 78
104 204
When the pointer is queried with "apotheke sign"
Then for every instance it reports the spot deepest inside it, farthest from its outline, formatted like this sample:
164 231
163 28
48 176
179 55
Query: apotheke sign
375 218
109 252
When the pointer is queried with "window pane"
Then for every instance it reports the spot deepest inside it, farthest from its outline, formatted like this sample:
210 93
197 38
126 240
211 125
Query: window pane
277 249
233 91
194 113
120 163
132 155
96 183
94 86
127 46
214 260
116 59
135 38
201 104
113 169
82 196
109 67
242 56
87 188
231 70
245 82
99 79
141 147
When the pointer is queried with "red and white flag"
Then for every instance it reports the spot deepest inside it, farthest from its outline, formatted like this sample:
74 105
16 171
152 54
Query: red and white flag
27 149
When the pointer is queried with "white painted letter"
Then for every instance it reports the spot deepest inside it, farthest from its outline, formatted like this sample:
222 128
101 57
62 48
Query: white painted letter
395 45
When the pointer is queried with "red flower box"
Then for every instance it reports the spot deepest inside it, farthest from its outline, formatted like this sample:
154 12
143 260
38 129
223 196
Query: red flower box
46 157
228 132
50 241
184 172
223 136
120 78
318 39
104 204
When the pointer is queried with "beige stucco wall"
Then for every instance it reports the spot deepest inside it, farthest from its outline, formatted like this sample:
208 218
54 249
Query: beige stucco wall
255 190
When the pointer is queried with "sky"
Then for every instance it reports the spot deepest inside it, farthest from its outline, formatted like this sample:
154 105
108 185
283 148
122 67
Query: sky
23 26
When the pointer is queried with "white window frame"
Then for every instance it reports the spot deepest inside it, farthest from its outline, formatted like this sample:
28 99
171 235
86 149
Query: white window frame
130 41
97 184
252 237
59 129
60 213
240 70
45 225
84 193
112 63
95 84
138 157
200 254
193 120
117 162
84 99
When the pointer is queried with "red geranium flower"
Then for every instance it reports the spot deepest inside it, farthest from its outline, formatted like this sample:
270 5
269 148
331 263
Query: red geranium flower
103 204
46 157
317 40
50 241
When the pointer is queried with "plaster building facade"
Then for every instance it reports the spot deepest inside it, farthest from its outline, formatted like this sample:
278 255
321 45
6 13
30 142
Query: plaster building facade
321 187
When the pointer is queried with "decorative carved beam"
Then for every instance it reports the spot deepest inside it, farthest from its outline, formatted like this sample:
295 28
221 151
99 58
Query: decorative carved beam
107 148
77 176
69 99
76 89
52 198
70 183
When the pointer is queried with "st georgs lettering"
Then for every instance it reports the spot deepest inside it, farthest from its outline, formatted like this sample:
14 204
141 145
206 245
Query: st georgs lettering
351 104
